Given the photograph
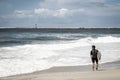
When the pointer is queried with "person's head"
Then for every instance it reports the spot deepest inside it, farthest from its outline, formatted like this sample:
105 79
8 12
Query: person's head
93 46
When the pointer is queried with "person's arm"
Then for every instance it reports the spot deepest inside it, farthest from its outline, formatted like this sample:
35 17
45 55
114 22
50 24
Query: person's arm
91 54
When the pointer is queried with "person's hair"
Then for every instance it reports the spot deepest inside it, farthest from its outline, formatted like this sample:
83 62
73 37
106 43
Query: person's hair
93 46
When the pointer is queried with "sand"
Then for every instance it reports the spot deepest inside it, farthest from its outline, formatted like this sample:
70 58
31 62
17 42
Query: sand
96 75
72 73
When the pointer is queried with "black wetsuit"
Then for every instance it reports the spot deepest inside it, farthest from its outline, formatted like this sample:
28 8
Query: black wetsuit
93 54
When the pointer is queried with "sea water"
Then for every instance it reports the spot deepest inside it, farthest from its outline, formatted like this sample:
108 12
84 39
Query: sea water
27 50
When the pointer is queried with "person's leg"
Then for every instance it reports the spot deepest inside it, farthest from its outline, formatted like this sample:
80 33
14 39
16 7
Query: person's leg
93 66
97 64
93 63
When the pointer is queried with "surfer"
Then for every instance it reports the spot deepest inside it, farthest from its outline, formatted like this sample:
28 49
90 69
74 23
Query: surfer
95 57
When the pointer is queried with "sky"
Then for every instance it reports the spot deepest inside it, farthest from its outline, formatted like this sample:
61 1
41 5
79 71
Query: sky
60 13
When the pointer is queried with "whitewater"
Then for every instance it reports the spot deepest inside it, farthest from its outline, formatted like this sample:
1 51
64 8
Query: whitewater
69 50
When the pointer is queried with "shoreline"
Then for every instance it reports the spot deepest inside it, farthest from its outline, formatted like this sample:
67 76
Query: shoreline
105 67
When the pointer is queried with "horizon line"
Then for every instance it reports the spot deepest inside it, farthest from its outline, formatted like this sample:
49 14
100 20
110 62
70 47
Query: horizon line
59 28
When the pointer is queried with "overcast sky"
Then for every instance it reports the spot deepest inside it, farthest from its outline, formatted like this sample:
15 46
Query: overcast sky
60 13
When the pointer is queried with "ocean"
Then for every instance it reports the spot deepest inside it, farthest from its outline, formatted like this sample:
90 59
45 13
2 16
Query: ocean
29 50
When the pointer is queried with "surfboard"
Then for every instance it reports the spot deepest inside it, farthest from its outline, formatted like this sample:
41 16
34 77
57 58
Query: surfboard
99 55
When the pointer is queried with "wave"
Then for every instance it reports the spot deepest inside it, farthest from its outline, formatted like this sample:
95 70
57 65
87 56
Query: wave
106 39
57 37
32 57
10 41
85 42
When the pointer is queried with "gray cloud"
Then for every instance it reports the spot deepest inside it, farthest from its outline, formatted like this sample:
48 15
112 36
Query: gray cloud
66 13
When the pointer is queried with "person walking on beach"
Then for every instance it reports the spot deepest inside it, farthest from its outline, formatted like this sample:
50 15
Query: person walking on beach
95 57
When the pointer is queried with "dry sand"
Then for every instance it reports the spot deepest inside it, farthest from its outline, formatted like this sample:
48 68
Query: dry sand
96 75
72 73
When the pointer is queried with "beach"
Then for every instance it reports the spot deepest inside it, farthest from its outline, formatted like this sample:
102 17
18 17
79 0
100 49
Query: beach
47 54
59 39
109 71
99 75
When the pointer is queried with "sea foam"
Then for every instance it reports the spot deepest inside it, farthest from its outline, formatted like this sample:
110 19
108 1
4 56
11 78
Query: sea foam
33 57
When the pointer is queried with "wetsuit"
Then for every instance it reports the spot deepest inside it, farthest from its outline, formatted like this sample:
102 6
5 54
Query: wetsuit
93 54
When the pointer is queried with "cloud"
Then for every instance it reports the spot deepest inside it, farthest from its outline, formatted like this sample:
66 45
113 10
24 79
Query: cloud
44 12
66 13
59 8
41 11
56 13
74 7
63 12
23 13
69 3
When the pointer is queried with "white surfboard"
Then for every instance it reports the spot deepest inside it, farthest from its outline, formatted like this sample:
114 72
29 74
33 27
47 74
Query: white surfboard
99 55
